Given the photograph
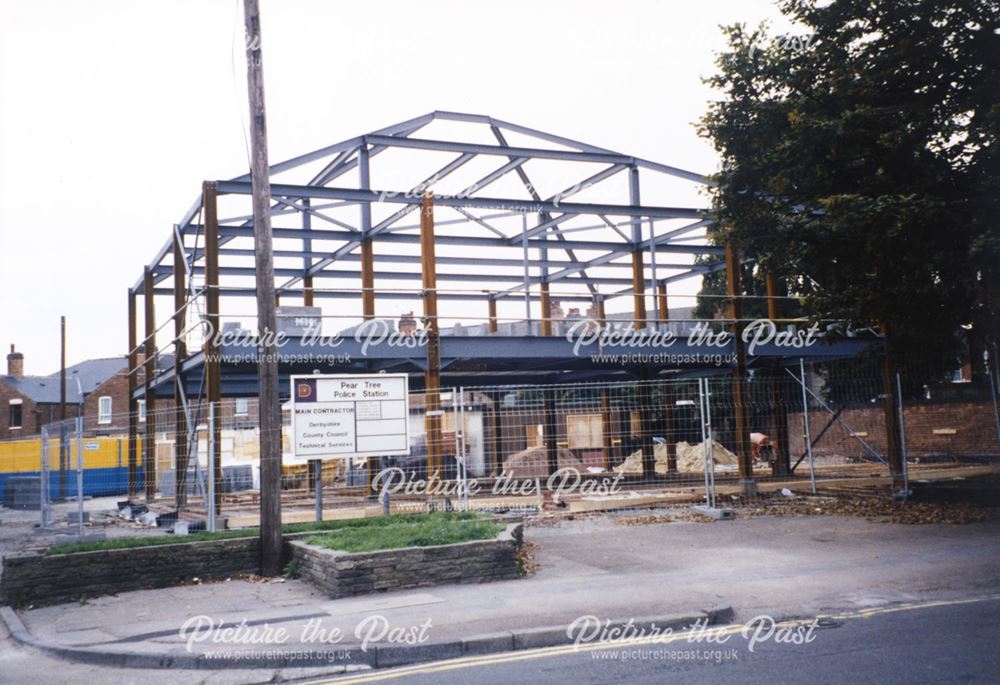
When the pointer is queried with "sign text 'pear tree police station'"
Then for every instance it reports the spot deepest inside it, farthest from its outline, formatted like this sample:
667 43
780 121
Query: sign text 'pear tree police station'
350 415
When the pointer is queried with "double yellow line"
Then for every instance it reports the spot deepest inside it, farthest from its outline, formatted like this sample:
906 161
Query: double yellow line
524 655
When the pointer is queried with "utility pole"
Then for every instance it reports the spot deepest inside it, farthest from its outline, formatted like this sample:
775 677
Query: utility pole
267 366
63 436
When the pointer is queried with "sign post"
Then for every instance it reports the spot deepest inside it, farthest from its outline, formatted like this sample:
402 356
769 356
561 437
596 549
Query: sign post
350 415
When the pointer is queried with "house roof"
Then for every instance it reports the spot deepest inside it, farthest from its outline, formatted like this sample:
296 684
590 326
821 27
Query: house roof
91 374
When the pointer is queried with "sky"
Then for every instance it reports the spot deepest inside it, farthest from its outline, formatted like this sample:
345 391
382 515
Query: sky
112 112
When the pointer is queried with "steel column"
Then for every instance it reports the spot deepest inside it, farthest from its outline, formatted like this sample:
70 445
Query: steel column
367 279
546 305
492 325
180 353
133 404
432 377
149 440
638 291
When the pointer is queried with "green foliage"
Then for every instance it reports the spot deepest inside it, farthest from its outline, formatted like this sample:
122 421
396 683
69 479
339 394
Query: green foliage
417 531
860 166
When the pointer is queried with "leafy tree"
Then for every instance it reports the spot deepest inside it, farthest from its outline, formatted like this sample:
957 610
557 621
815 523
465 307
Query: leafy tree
860 163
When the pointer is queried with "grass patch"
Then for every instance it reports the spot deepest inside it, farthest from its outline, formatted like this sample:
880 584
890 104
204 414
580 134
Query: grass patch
357 527
148 541
396 532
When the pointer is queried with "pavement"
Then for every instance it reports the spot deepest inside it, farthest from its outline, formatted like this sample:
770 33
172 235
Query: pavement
665 573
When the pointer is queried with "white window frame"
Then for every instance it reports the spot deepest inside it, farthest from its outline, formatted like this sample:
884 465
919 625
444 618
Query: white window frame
245 410
140 409
104 417
11 403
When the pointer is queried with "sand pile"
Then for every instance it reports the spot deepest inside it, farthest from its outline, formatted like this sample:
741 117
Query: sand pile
690 459
532 463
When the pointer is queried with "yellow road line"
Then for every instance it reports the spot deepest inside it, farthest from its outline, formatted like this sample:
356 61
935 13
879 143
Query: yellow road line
522 655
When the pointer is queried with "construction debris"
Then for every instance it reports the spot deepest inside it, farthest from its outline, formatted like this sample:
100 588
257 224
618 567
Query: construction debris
878 509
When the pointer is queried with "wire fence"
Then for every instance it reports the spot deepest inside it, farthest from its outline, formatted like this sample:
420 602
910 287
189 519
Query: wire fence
529 449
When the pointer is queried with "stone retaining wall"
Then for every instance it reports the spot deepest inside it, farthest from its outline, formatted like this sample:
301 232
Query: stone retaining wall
35 577
344 574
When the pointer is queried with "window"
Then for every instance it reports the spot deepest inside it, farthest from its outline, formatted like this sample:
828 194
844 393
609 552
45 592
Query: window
141 407
104 409
242 406
15 414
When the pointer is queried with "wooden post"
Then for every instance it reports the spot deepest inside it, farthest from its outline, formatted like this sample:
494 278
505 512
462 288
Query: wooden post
734 288
149 439
546 306
432 378
213 370
133 404
638 291
492 324
267 367
779 437
180 352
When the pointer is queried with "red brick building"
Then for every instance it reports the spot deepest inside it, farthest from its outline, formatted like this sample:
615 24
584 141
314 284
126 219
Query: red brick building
96 389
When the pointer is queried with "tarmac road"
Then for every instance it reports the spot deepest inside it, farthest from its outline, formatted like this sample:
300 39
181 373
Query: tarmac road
956 641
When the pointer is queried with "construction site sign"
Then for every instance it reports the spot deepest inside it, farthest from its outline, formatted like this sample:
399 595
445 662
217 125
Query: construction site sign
348 415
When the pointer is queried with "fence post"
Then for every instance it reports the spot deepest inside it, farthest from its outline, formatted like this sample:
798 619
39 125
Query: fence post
210 509
79 476
902 436
465 463
704 439
805 423
318 485
43 477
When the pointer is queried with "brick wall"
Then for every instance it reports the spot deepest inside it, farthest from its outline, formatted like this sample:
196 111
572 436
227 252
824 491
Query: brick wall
343 574
954 429
116 388
33 416
33 577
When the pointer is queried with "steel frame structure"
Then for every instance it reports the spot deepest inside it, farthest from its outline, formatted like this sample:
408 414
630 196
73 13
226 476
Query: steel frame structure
475 208
521 218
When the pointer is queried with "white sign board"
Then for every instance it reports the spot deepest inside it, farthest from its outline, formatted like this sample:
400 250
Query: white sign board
350 415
